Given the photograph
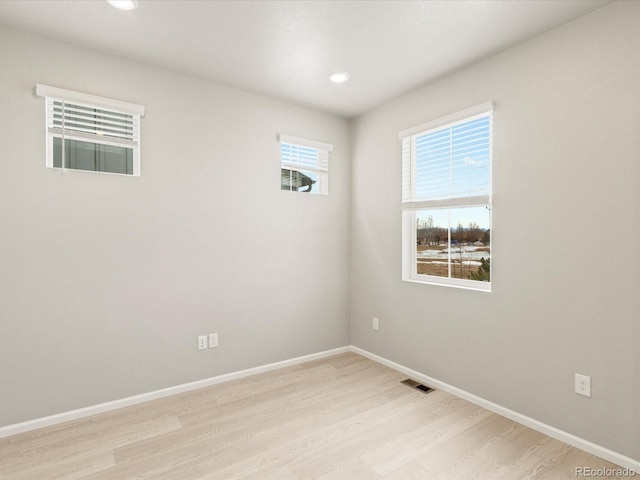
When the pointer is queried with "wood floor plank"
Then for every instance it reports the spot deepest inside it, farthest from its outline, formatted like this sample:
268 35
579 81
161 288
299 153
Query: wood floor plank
342 417
75 447
68 469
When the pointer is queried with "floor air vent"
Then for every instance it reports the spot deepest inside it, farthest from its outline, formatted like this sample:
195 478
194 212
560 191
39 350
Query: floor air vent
418 386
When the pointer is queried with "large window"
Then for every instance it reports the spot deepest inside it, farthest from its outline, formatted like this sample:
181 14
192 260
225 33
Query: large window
85 132
304 165
446 200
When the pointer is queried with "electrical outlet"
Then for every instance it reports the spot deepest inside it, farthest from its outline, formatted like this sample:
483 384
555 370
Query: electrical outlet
376 323
583 385
213 340
202 342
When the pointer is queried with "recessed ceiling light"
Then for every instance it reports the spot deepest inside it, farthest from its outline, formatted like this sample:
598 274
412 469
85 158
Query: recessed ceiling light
123 4
339 77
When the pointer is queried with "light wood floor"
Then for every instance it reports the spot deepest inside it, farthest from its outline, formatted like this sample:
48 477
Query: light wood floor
344 417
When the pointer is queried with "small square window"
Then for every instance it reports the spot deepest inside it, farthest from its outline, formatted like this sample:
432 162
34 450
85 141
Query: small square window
304 165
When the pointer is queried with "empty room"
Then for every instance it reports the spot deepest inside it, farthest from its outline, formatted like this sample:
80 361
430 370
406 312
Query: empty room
286 240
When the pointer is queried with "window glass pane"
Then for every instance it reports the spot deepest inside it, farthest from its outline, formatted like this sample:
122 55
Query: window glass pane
432 235
115 159
286 180
92 156
299 180
470 243
454 243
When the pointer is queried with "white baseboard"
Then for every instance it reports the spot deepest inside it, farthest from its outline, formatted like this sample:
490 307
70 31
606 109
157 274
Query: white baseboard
165 392
587 446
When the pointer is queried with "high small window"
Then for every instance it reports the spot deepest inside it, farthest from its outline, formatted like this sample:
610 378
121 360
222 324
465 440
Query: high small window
446 200
304 165
86 132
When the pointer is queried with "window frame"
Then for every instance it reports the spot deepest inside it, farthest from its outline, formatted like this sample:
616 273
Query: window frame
53 95
412 205
323 150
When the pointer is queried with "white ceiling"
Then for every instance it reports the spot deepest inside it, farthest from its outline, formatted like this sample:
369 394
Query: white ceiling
287 49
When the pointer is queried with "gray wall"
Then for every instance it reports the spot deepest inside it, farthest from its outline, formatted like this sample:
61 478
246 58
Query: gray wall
566 230
106 281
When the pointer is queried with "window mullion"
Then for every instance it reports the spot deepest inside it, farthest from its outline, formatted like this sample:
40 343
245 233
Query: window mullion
450 162
63 141
449 241
412 167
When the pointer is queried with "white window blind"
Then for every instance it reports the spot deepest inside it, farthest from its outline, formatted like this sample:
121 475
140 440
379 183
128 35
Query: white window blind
448 164
304 158
304 165
86 123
